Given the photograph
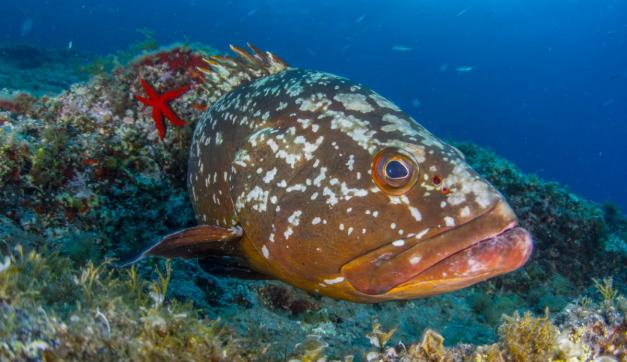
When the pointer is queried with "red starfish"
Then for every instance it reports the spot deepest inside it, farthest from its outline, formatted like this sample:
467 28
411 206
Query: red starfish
160 106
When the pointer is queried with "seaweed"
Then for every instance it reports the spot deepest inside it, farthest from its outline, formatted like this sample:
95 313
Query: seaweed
529 338
56 310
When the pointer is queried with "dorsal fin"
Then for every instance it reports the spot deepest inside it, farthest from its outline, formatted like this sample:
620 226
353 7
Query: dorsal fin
225 73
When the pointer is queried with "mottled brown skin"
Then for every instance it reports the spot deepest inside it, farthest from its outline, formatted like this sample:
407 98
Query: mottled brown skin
288 173
283 168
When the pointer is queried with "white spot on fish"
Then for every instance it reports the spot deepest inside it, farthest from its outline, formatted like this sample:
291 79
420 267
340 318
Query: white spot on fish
464 212
294 219
415 213
288 232
398 243
449 221
334 281
270 175
354 102
422 233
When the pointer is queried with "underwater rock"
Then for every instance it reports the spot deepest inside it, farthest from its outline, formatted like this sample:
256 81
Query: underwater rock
24 55
84 174
39 71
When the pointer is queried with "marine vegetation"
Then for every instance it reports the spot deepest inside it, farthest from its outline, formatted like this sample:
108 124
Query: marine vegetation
53 310
84 178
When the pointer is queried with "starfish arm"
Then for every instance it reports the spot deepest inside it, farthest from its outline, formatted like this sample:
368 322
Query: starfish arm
143 100
173 94
160 107
167 112
152 93
158 117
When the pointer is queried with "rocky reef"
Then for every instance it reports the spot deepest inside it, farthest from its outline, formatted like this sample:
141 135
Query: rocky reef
85 180
41 71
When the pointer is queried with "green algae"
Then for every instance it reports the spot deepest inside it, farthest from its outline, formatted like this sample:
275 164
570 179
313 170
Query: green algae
97 313
529 338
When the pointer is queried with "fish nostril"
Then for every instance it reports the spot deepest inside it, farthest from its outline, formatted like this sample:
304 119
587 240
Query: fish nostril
436 180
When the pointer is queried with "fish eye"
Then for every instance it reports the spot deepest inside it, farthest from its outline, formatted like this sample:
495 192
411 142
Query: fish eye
393 171
396 169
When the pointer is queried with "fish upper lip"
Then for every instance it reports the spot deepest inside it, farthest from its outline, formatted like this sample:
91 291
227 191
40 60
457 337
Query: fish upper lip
486 212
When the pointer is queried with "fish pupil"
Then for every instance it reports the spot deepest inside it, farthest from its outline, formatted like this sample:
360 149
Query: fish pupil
396 170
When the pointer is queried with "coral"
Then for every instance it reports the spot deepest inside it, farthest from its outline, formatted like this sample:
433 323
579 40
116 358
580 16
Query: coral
178 60
19 103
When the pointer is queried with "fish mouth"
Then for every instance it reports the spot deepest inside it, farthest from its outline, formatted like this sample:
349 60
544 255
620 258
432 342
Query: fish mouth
500 254
490 245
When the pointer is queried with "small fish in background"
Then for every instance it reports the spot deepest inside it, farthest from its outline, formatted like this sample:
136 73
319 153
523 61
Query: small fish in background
464 11
402 48
69 45
416 103
27 26
464 68
360 19
608 102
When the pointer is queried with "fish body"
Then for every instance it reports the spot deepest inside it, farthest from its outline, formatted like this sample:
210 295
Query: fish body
318 181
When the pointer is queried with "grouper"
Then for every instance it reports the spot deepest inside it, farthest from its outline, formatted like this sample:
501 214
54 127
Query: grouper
320 182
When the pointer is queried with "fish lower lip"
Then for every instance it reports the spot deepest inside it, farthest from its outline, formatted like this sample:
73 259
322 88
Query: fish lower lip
487 258
495 238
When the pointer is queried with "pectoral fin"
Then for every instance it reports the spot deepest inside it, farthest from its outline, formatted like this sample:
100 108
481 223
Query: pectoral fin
196 242
216 247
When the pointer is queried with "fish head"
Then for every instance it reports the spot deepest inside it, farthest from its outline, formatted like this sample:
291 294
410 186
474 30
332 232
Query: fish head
365 204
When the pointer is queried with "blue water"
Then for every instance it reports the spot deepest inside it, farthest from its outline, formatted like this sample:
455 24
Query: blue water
543 83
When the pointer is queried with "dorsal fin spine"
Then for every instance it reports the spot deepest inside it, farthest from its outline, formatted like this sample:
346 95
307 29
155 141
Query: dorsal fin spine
225 73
